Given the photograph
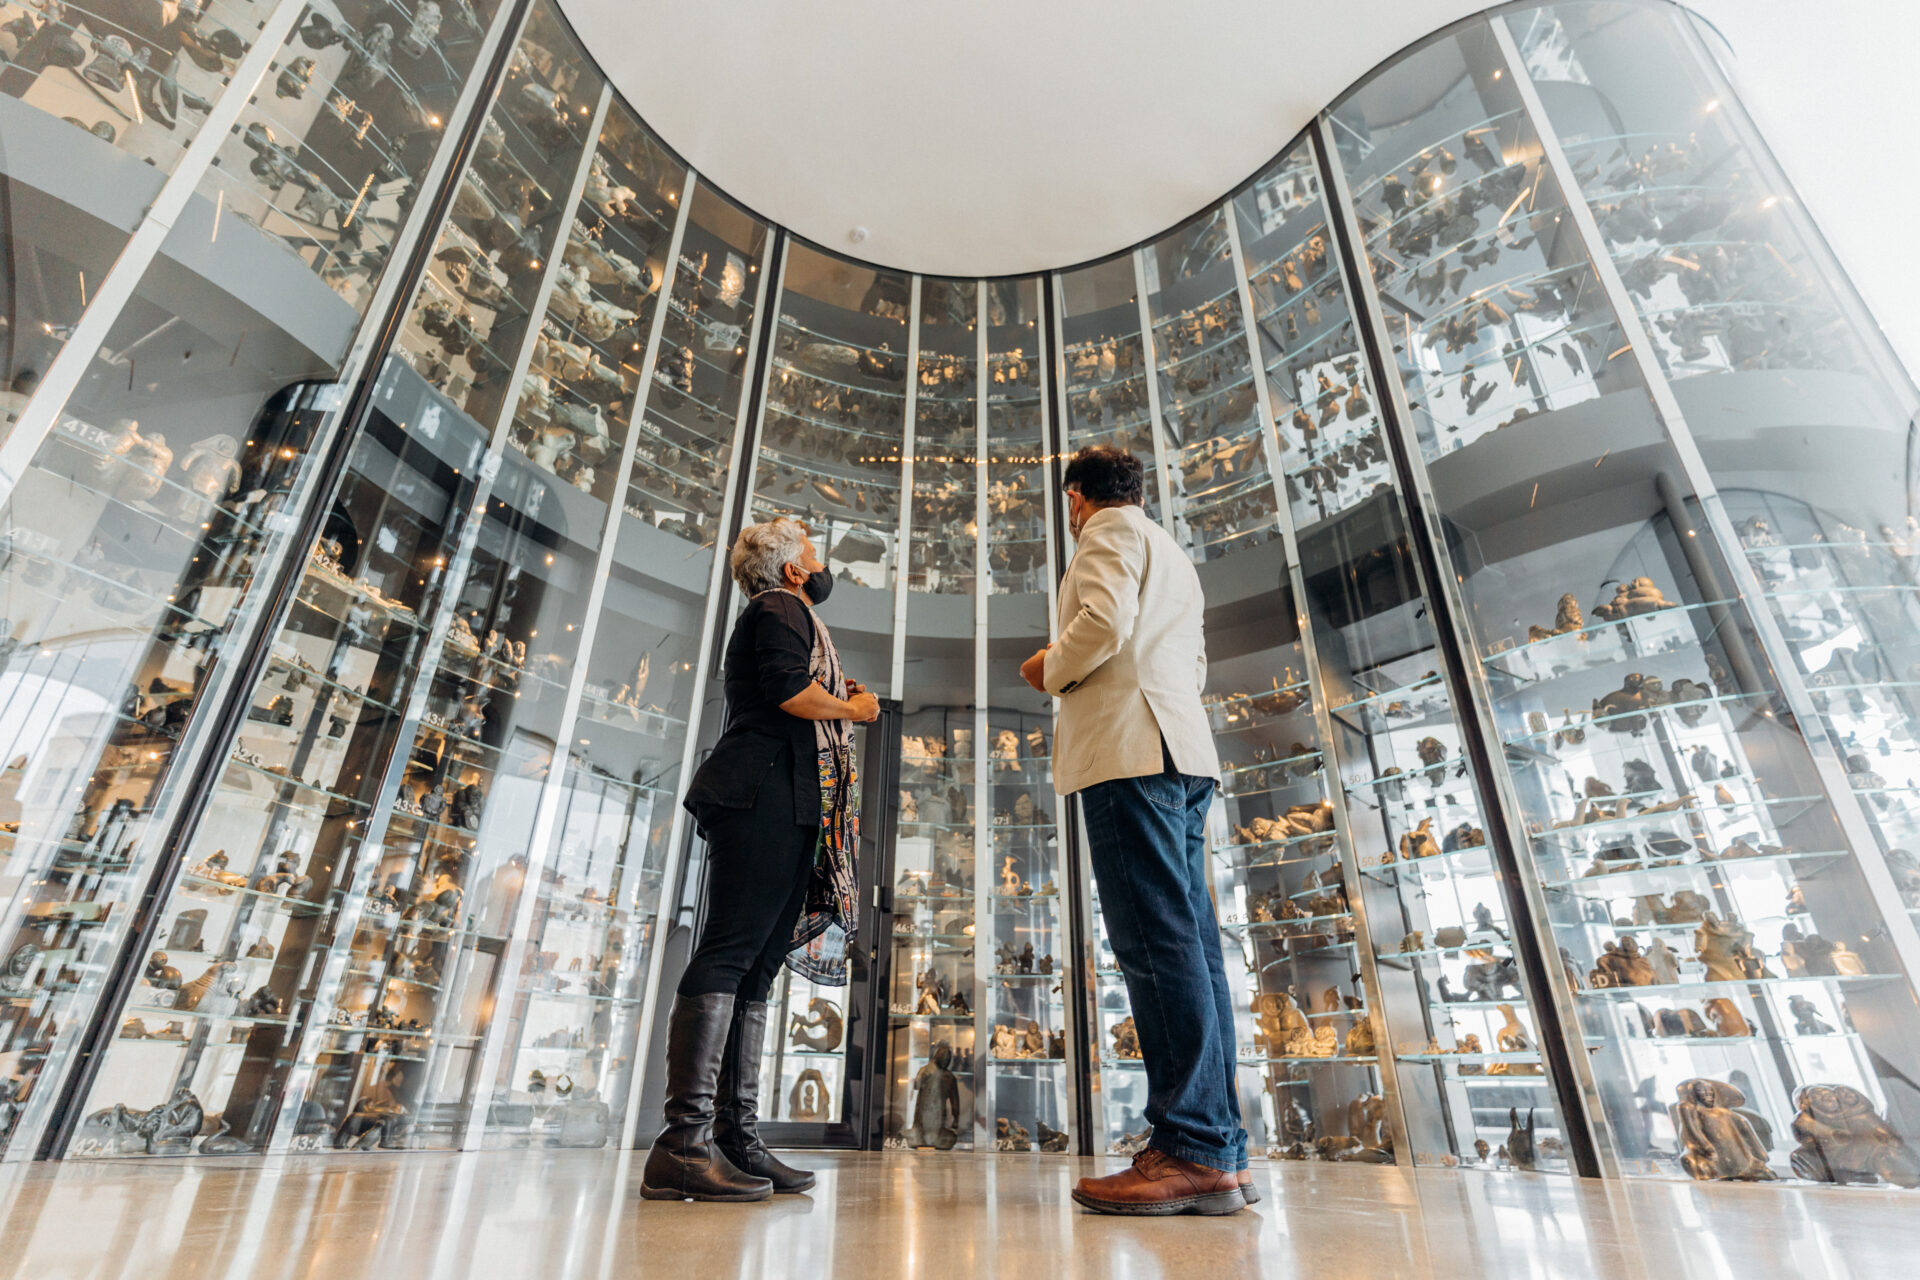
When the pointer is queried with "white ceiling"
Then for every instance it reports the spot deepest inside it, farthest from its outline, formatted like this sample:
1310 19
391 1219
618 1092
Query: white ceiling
995 136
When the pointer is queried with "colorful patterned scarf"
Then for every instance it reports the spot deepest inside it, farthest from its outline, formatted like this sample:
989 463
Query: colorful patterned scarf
827 924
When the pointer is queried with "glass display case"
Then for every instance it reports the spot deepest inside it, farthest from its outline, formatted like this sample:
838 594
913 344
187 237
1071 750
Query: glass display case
1698 856
160 476
365 580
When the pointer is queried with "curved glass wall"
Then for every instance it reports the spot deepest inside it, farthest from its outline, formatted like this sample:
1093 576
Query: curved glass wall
364 589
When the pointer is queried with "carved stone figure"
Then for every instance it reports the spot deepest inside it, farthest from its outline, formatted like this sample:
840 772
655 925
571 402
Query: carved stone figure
1717 1143
1367 1125
1296 1123
1279 1022
1004 1043
1519 1144
1726 1018
213 472
1718 945
807 1100
1843 1140
1806 1017
936 1105
1360 1041
1511 1037
821 1030
285 879
161 975
1489 978
1566 618
1011 1135
1419 842
1126 1040
167 1130
378 1119
1051 1139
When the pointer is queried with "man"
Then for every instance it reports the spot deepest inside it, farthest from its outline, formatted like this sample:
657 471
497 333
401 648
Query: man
1133 742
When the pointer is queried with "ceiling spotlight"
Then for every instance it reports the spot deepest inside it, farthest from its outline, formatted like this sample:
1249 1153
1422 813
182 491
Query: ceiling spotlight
858 235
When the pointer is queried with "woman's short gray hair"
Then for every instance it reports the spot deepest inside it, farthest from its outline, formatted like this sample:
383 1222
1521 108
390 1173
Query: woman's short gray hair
763 549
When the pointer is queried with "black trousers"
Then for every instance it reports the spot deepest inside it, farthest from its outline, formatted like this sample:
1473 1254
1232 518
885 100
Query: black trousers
758 863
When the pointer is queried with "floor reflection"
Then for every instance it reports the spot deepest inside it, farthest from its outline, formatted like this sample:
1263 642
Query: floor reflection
578 1214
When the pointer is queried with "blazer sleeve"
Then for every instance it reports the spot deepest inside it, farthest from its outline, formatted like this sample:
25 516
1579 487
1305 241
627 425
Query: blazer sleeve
1106 574
782 649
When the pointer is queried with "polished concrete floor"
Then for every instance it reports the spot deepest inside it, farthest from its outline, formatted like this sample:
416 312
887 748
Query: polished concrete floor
901 1217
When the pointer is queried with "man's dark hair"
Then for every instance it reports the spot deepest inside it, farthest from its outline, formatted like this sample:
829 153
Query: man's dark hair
1106 474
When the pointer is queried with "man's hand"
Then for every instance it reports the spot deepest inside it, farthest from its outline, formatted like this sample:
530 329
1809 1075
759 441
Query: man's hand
1034 669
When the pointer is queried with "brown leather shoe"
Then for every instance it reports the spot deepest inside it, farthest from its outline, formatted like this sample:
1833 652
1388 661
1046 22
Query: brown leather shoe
1248 1192
1158 1185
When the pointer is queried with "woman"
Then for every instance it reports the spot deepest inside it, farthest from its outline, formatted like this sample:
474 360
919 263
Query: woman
776 803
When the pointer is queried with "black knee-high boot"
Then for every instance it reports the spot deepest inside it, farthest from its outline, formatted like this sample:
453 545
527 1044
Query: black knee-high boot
736 1127
685 1163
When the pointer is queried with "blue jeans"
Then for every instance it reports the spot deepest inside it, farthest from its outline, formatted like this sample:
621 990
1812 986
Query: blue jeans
1147 839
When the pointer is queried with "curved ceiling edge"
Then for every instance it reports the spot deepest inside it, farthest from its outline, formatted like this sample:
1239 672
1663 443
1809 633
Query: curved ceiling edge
1010 137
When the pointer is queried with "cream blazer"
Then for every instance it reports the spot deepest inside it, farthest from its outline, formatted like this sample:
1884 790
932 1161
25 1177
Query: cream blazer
1131 657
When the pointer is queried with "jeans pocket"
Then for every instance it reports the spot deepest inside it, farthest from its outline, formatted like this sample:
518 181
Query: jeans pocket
1165 790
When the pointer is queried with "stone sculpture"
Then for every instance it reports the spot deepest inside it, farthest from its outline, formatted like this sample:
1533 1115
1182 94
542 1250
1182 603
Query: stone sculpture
1717 1143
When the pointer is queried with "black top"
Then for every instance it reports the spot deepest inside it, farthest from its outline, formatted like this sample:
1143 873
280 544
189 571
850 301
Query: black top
767 662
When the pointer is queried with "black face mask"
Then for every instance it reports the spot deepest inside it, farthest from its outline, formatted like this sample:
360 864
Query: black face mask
818 586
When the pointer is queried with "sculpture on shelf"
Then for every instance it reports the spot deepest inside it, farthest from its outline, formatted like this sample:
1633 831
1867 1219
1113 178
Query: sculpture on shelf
9 1105
1360 1041
1011 1135
1806 1017
929 984
1419 842
1631 599
1296 1124
223 1141
285 880
211 983
166 1130
1717 1143
1726 1018
820 1030
1489 978
807 1100
159 974
1718 945
1511 1037
1842 1139
1051 1139
1367 1126
1519 1144
1566 618
1846 964
1126 1039
936 1105
1664 964
1277 1020
1572 970
1483 923
1004 1043
379 1118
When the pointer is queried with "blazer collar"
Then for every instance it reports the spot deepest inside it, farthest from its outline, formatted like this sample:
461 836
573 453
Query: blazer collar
1110 514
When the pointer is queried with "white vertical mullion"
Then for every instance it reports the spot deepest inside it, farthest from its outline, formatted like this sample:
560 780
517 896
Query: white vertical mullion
552 788
1151 367
986 1085
901 555
741 453
116 288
